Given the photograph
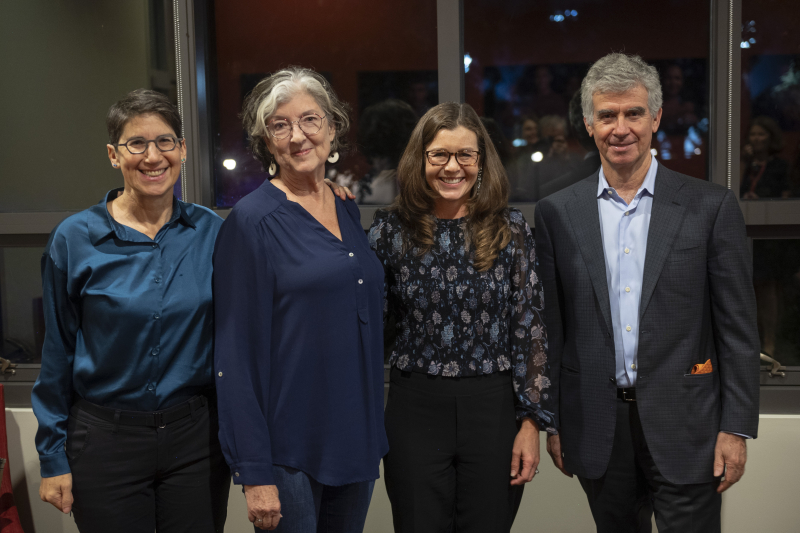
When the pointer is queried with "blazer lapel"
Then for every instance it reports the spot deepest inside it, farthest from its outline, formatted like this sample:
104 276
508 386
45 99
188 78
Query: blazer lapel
585 219
665 220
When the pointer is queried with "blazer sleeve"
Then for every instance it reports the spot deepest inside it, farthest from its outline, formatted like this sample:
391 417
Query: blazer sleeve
733 314
52 394
243 299
545 254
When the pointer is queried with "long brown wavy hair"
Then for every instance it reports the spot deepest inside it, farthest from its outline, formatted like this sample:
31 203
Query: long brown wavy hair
486 220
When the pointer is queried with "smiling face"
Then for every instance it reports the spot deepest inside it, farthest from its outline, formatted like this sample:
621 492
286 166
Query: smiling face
302 154
623 128
452 181
152 173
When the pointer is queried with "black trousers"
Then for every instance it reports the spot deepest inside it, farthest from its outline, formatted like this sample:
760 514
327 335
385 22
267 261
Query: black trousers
133 479
624 498
449 461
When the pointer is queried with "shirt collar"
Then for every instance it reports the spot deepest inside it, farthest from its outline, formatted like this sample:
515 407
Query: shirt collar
101 223
648 185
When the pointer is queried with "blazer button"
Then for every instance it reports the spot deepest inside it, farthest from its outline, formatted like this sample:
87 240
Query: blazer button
612 380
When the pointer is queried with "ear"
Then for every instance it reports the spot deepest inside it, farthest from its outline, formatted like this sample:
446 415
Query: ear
183 148
589 127
657 120
112 155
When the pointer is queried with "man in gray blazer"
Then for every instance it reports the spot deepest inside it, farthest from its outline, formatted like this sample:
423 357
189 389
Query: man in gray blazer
651 321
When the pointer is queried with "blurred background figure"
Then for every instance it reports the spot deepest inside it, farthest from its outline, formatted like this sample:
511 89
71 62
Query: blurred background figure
678 115
764 174
591 160
547 101
558 159
501 143
384 130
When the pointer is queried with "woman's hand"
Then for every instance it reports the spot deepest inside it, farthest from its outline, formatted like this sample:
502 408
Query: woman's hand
342 192
263 505
57 491
525 454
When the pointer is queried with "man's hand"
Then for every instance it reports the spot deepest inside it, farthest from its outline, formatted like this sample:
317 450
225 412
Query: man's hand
263 505
554 449
730 455
342 192
57 491
526 452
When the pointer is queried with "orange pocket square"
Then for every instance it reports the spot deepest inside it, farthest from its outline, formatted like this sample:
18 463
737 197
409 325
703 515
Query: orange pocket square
705 368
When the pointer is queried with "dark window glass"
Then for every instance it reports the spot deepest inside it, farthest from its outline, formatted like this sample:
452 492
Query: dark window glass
770 134
776 278
380 59
21 316
525 66
63 65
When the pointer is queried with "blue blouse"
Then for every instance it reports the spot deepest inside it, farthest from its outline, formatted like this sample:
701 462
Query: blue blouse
128 319
299 343
455 321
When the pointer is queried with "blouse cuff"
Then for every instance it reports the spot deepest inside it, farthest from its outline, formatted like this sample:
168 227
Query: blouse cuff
544 423
54 465
252 474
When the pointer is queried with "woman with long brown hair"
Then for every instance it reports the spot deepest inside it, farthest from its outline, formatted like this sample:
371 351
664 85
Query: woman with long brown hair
469 382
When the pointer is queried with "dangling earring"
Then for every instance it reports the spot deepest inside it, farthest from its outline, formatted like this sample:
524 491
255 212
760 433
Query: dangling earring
334 157
480 178
272 169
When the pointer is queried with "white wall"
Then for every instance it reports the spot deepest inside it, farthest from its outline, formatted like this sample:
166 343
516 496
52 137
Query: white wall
766 500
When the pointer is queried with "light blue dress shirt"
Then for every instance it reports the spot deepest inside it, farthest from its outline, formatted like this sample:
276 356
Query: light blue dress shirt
624 230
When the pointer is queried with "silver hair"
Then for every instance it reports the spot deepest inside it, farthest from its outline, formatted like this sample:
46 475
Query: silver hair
274 91
617 73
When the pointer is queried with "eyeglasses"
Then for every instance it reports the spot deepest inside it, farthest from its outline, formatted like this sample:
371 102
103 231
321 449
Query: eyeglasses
165 143
282 128
465 158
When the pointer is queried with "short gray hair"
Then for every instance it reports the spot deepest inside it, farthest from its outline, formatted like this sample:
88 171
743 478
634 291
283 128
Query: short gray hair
617 73
272 92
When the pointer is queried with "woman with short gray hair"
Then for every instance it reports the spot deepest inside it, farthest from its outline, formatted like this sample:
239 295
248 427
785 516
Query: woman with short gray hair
299 322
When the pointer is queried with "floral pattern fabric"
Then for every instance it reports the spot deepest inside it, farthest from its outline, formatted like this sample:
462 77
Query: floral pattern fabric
455 321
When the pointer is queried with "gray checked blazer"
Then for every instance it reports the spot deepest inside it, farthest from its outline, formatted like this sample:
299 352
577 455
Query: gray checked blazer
697 303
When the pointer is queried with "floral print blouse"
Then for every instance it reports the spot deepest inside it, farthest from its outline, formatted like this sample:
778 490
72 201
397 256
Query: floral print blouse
455 321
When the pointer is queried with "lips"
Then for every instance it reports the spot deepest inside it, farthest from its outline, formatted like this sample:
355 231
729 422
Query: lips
452 181
302 152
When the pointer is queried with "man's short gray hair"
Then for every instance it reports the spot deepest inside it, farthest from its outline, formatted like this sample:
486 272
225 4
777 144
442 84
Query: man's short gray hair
617 73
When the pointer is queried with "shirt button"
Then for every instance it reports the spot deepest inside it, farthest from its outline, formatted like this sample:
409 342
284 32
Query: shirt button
351 254
220 374
627 289
155 246
156 316
627 213
633 366
627 250
627 328
151 387
236 474
155 351
360 281
157 280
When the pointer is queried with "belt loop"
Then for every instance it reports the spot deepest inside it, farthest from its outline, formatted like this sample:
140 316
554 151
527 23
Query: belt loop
117 412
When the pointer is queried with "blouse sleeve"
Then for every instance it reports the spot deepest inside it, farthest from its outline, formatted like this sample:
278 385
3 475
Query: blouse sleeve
52 394
380 238
528 343
243 300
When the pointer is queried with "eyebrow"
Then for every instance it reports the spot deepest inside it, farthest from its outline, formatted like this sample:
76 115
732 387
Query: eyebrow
303 114
638 109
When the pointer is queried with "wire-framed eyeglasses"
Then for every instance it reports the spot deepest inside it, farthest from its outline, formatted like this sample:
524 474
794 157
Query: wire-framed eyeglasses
465 158
281 128
165 143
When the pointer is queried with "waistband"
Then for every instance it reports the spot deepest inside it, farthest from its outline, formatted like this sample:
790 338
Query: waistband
461 386
155 419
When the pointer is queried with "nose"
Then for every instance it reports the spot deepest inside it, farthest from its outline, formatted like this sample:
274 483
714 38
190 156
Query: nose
621 128
152 153
452 165
297 135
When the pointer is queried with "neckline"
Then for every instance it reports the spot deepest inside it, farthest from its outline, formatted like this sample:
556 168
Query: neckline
281 196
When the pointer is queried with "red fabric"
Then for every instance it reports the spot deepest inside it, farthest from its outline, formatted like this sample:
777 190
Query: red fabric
9 518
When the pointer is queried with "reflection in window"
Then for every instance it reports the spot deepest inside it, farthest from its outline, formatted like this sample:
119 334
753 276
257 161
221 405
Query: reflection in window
527 66
64 64
21 315
776 278
770 134
379 59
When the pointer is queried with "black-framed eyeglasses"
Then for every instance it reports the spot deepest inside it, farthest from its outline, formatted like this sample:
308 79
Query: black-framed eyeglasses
465 158
165 143
281 128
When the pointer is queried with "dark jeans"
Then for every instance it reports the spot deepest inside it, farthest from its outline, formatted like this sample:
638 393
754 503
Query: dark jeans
624 498
308 506
132 479
449 461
